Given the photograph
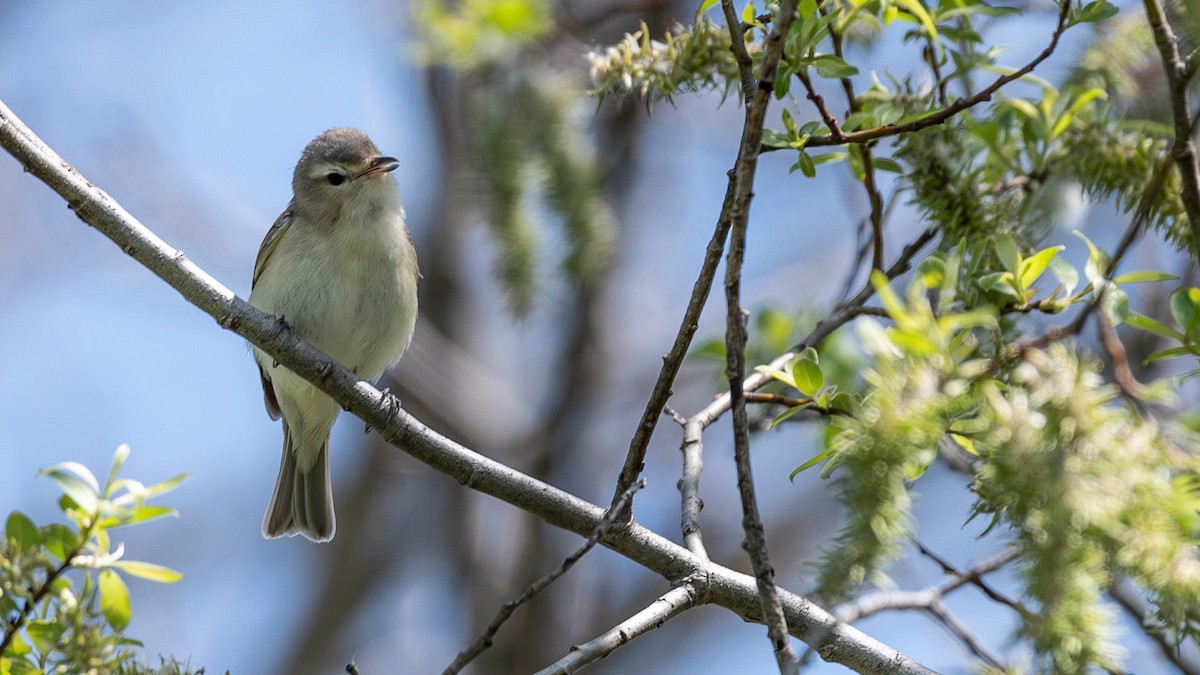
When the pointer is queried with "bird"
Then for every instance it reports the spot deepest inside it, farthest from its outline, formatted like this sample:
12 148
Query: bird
338 269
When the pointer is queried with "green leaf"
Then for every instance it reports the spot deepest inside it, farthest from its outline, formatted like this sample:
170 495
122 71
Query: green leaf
748 13
1168 354
59 540
932 272
776 139
143 514
918 10
1143 276
886 164
165 486
76 482
705 6
805 164
777 374
1033 267
833 67
1082 100
829 158
114 600
1184 304
1098 10
44 634
1097 261
788 413
806 372
149 571
22 530
1151 326
118 460
1115 304
18 646
1009 254
821 457
1067 275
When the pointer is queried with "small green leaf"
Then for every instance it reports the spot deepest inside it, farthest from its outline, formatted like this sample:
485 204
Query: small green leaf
776 139
748 13
59 540
1151 326
918 10
44 634
1097 260
76 482
932 272
1142 276
777 374
149 571
886 164
1184 304
821 457
1115 304
788 413
1067 275
1098 10
705 6
21 530
789 123
1034 266
1009 254
807 373
805 164
114 600
833 67
118 461
1168 354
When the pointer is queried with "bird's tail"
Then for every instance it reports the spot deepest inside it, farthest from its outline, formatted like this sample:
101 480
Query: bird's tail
303 502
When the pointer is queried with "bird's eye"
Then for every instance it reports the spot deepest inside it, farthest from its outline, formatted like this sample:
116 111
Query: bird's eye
335 178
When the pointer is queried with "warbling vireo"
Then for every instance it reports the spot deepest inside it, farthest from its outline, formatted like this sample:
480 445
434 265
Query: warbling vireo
338 267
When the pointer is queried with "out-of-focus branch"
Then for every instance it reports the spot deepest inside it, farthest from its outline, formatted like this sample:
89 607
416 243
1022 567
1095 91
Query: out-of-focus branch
1127 597
485 641
1183 150
673 603
727 588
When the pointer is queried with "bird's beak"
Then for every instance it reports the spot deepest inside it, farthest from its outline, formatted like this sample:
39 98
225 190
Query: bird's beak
380 165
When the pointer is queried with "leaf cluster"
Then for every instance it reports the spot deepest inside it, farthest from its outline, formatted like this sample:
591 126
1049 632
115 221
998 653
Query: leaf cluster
64 602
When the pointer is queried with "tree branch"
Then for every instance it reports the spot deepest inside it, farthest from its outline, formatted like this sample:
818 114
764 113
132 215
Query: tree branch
742 185
670 605
959 105
727 588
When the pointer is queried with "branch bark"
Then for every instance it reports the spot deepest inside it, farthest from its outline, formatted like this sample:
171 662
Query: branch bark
835 642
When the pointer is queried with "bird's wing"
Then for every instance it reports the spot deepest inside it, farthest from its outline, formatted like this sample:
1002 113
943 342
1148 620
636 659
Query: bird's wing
271 242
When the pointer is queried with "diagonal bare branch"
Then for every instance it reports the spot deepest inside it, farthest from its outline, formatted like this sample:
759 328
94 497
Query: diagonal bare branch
735 591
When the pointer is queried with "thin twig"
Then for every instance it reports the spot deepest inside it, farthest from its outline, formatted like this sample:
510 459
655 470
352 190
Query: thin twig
668 606
959 105
743 173
973 579
737 45
793 402
692 449
485 641
964 635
